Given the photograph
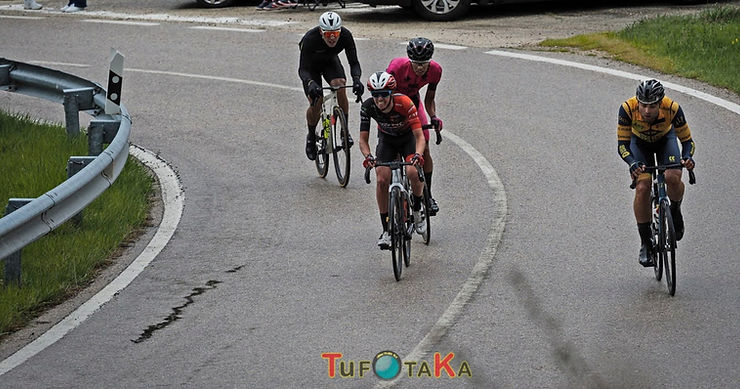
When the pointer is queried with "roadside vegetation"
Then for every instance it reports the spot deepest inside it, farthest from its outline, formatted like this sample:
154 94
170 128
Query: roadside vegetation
33 159
705 46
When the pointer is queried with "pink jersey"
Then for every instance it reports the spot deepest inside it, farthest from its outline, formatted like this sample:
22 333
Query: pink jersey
408 82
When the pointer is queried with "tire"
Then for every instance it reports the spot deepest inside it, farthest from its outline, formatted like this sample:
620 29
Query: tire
669 250
657 257
441 10
215 3
322 154
340 151
426 236
397 231
409 231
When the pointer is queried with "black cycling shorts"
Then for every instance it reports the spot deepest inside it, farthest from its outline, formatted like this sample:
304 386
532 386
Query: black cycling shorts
331 70
391 147
665 149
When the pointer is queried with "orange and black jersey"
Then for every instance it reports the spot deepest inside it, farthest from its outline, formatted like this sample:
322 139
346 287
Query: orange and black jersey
399 121
631 123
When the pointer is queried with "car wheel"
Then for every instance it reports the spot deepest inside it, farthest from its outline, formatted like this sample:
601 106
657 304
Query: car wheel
215 3
440 10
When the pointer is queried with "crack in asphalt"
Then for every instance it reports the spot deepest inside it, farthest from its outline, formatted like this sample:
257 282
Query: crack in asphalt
176 312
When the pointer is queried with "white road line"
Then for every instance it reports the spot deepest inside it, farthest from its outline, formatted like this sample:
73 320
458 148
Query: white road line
225 29
680 88
441 46
196 19
173 199
21 17
48 63
125 22
216 78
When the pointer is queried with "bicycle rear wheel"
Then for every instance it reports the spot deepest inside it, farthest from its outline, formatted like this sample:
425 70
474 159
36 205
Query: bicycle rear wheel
322 153
669 249
397 230
409 230
340 140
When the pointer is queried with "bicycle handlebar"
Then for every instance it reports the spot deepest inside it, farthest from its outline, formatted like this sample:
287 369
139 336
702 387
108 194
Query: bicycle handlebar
336 88
393 165
438 133
692 176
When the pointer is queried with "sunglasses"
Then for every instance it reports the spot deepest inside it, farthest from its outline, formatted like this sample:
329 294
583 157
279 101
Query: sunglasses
420 62
331 34
381 93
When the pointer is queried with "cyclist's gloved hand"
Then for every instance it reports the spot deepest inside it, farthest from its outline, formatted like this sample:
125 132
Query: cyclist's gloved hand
416 159
314 90
358 88
636 168
688 163
437 123
369 161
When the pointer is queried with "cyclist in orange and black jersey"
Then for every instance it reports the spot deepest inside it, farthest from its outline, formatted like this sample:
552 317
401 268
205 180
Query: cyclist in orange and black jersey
650 123
399 135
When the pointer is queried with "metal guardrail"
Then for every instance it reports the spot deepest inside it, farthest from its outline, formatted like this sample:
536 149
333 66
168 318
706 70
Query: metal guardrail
45 213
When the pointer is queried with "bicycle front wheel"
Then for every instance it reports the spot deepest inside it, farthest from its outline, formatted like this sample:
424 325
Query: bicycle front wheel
340 138
657 238
669 249
397 229
426 232
408 222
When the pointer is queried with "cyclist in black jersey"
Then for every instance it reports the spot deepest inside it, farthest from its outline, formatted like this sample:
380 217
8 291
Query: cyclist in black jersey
650 123
320 48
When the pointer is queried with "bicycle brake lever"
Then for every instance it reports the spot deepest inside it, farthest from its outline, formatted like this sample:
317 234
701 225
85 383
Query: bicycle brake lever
439 137
692 177
367 174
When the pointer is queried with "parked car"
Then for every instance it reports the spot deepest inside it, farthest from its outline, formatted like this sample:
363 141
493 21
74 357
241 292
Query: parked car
215 3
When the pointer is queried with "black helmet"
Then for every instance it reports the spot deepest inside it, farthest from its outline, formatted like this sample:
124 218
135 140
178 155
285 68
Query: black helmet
650 91
420 49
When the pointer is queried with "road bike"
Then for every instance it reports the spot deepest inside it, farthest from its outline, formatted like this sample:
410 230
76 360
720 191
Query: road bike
663 233
401 224
332 136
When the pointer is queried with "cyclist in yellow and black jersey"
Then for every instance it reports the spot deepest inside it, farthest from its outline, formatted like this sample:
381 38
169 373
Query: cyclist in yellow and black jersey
650 123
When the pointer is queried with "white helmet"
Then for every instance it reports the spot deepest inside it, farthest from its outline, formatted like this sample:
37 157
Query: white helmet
330 21
381 81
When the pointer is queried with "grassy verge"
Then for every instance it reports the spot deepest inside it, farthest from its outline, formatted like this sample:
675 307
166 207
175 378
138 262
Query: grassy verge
33 158
705 46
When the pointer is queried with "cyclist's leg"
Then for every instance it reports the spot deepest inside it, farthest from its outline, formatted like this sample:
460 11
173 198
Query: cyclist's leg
335 76
428 161
674 185
669 154
384 153
313 114
641 204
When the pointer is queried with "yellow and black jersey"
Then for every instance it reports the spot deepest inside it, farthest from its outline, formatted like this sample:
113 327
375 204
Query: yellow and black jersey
670 116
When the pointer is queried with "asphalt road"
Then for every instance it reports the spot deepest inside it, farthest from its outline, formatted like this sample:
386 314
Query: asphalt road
272 266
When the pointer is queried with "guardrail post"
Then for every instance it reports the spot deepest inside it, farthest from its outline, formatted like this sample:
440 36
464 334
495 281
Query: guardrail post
76 100
100 132
13 261
74 165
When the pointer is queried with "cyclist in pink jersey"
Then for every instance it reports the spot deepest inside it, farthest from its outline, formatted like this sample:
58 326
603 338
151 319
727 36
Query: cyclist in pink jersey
412 74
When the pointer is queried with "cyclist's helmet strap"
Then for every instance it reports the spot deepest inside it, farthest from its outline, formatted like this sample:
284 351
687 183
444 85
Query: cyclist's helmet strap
330 21
381 81
420 49
650 91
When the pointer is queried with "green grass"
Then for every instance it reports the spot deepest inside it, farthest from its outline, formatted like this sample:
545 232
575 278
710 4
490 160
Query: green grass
33 158
705 46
